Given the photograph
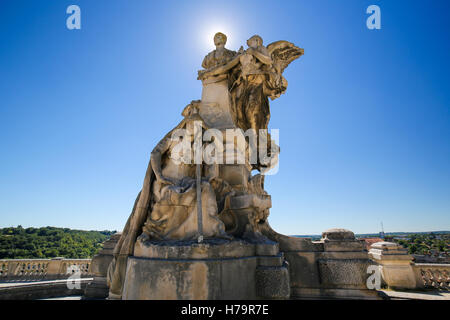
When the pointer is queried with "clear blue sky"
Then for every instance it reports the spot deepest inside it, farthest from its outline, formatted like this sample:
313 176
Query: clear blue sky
364 125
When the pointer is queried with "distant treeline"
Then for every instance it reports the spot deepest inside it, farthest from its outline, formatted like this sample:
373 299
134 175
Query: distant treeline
50 242
425 244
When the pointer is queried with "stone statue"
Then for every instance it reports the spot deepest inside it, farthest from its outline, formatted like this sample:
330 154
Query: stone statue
224 200
254 75
173 214
165 208
251 101
258 74
221 55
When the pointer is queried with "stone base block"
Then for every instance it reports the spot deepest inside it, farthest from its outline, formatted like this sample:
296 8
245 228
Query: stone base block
97 289
152 279
213 270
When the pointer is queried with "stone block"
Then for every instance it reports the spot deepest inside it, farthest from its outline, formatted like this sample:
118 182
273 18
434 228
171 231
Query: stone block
345 273
272 282
267 248
214 269
271 261
154 279
395 264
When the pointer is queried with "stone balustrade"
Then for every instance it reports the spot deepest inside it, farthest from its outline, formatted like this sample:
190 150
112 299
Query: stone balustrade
400 272
432 276
35 269
397 269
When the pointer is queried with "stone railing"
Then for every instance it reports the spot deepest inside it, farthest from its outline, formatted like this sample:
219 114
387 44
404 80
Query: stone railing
435 276
35 269
400 272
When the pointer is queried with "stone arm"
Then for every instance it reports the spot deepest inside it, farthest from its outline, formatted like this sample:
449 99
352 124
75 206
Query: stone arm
204 63
156 159
262 55
220 69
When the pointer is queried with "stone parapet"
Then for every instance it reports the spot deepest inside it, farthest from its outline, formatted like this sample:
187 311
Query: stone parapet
432 276
42 269
395 265
333 267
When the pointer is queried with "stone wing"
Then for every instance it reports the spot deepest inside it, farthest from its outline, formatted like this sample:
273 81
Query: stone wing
283 53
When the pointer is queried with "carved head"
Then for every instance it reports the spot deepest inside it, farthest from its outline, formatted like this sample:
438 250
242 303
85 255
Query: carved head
193 122
220 39
255 41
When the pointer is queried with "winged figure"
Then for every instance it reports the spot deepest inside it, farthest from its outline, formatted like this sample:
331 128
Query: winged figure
254 75
282 53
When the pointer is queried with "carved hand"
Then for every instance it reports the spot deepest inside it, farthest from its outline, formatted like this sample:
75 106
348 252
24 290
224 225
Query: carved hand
165 180
250 51
202 74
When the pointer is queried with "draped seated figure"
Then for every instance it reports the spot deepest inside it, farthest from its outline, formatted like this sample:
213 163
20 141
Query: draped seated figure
173 214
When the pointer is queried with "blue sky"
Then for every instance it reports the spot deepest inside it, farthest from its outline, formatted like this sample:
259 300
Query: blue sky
364 125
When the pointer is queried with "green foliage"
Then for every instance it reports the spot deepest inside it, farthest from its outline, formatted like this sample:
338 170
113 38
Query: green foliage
50 242
426 244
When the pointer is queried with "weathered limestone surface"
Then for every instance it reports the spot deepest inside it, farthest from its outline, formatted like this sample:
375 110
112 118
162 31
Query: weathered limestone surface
214 269
395 265
98 288
334 267
215 105
272 282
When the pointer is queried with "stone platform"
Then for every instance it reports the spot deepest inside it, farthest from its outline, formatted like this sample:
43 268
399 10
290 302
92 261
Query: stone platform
214 269
32 290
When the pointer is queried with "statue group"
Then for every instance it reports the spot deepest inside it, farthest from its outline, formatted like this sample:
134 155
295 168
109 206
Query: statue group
195 201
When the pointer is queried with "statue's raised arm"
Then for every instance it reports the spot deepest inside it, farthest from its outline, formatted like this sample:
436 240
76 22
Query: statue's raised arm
218 70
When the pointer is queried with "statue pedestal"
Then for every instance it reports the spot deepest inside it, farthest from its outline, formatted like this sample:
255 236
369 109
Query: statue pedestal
215 104
214 269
